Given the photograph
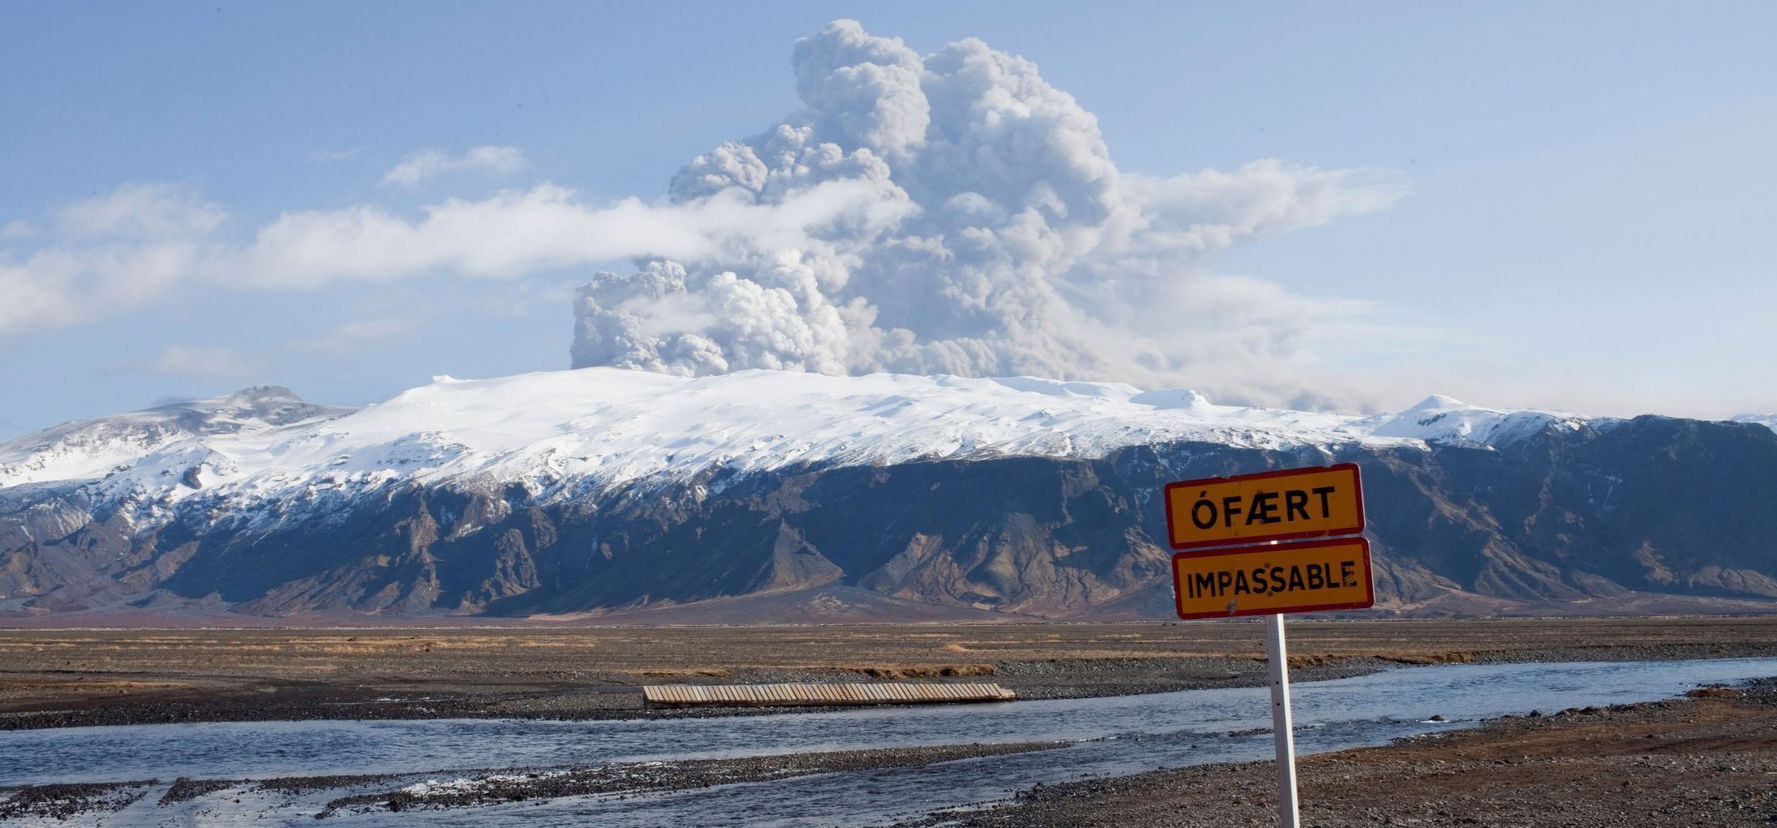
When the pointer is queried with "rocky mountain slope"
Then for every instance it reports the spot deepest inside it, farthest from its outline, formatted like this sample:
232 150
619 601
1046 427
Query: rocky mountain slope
783 496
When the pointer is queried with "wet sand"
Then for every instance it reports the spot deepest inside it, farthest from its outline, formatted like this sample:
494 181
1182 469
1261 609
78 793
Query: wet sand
59 678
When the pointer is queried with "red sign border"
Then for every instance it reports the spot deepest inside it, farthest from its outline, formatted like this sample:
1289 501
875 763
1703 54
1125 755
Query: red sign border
1357 477
1363 543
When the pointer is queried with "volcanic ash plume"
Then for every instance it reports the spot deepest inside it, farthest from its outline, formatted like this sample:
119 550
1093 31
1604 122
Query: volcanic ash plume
970 221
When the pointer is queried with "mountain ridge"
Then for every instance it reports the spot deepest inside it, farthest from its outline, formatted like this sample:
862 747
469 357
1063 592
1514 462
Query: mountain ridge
601 492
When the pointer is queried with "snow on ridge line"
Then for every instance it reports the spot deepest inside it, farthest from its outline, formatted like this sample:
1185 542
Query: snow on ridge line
1443 419
616 425
87 449
613 426
1768 420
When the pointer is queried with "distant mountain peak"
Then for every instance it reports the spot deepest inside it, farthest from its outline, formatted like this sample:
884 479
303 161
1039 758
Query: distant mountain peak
262 392
1444 419
95 448
251 398
1438 402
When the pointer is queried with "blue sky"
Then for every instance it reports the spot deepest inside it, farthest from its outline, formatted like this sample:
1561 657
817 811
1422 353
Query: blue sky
1585 222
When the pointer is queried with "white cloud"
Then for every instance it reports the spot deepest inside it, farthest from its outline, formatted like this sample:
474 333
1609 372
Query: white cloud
425 164
356 335
141 211
519 232
17 230
331 156
105 253
61 286
947 213
199 361
1210 210
79 275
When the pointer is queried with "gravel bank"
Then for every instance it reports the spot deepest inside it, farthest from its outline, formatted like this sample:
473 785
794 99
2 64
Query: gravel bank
467 789
1707 760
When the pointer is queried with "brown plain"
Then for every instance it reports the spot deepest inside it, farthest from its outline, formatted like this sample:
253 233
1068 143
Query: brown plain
42 670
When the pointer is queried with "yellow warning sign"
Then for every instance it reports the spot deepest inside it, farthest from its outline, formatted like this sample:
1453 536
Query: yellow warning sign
1273 505
1273 579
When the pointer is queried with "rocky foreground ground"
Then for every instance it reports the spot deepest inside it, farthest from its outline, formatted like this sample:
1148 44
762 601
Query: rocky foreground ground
1706 760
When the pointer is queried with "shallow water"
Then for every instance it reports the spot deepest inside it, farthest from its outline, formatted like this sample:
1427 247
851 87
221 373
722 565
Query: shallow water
1107 736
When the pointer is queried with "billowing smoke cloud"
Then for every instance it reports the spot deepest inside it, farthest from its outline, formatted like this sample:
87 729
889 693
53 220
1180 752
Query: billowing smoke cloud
1012 243
950 213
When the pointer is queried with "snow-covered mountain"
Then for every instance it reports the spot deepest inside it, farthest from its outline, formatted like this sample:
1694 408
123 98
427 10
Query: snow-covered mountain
514 495
556 433
95 449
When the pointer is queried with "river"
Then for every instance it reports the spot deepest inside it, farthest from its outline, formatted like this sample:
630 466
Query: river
1104 736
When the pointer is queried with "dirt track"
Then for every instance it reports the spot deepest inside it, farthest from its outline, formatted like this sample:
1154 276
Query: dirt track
75 677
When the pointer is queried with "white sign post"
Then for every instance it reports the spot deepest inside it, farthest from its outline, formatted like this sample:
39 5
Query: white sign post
1233 565
1282 729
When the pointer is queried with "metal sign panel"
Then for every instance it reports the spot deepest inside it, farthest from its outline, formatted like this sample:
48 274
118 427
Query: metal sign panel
1274 578
1268 506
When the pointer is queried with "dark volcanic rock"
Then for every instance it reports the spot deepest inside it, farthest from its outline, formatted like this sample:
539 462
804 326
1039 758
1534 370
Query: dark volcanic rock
1602 512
